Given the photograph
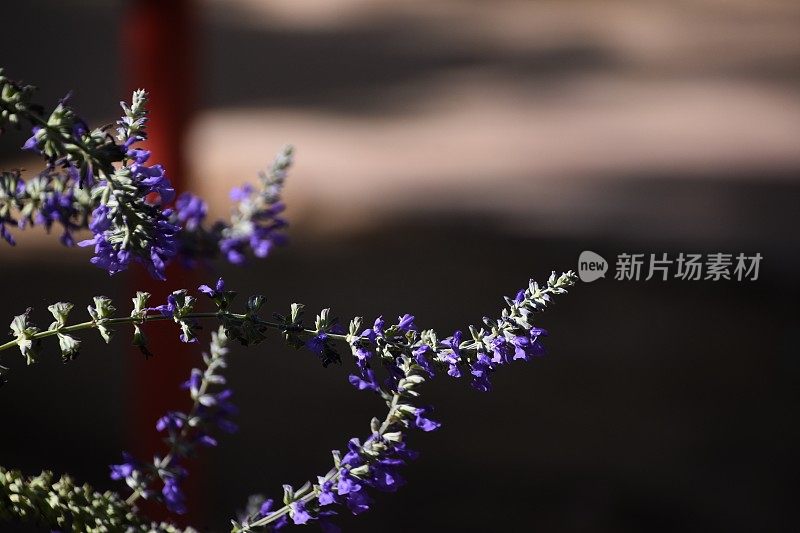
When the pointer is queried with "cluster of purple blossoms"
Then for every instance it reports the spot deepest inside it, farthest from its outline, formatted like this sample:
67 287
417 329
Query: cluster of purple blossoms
504 340
115 246
43 200
191 211
406 357
255 224
74 155
373 464
67 143
185 432
131 224
127 207
127 218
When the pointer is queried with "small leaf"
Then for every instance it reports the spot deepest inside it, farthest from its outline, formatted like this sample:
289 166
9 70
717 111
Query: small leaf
69 347
23 330
140 304
60 311
140 340
288 494
254 304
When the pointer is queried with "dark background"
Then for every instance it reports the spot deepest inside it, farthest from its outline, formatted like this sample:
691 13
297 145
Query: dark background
662 406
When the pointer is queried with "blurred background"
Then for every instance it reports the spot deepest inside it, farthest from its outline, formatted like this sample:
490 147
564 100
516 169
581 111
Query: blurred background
448 150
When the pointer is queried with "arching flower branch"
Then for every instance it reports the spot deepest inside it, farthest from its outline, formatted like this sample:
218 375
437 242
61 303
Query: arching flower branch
101 180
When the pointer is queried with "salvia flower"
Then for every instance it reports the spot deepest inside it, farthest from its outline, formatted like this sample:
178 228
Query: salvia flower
256 224
127 206
409 357
211 408
51 197
190 210
173 496
406 356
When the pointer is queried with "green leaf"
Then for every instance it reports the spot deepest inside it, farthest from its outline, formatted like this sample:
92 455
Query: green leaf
140 340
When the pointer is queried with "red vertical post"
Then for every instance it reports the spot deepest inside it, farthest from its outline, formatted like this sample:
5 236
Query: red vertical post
159 49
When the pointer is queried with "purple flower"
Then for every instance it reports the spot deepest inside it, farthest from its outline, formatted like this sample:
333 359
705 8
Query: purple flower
191 210
216 399
33 142
299 513
260 238
239 194
163 246
358 502
454 371
6 235
326 494
400 450
369 381
453 343
57 207
172 421
232 250
421 356
377 328
223 409
255 222
480 373
453 356
362 353
537 332
193 383
527 346
174 498
522 345
106 256
139 155
406 323
424 423
206 440
169 309
317 343
160 247
502 350
100 220
154 180
216 292
353 456
385 479
347 484
124 469
266 507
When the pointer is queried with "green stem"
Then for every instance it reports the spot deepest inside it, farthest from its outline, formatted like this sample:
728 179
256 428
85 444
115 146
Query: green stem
149 318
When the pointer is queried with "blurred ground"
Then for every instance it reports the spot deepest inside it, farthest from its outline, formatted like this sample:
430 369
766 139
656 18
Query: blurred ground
448 150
